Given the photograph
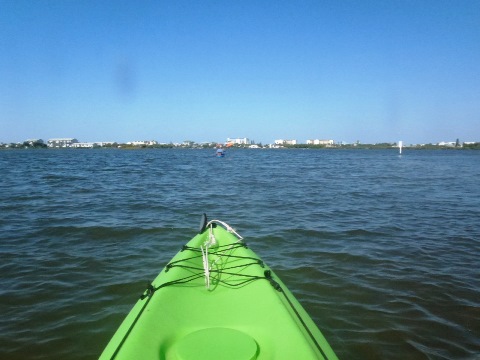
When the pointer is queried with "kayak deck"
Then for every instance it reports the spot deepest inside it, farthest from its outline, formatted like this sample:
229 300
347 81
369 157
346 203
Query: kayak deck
216 299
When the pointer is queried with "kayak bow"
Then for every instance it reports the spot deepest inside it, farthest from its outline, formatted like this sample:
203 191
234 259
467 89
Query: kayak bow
216 299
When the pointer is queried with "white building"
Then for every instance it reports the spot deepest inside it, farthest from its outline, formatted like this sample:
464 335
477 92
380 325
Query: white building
320 142
141 143
104 143
61 142
79 145
447 143
285 142
92 144
239 141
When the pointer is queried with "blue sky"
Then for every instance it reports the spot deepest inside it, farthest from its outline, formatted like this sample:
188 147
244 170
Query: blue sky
371 71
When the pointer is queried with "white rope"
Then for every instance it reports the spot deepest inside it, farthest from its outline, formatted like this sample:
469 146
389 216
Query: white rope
206 263
226 226
207 267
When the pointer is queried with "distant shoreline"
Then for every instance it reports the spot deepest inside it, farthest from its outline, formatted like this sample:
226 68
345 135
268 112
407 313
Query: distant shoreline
475 146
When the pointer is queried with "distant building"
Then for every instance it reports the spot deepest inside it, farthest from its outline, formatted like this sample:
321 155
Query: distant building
83 145
320 142
92 144
447 143
61 142
285 142
239 141
103 143
143 143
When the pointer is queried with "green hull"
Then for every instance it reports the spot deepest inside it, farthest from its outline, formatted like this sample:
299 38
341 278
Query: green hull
216 299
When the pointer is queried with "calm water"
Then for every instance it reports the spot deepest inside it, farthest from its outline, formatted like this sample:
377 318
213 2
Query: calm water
383 251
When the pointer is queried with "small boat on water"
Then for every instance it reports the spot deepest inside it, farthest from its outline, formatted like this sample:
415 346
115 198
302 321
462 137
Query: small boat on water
216 299
220 152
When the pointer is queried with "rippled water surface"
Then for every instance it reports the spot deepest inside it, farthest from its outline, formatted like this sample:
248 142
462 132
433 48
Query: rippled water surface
382 250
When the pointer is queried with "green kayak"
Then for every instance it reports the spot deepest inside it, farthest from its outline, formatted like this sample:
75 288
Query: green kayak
217 299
